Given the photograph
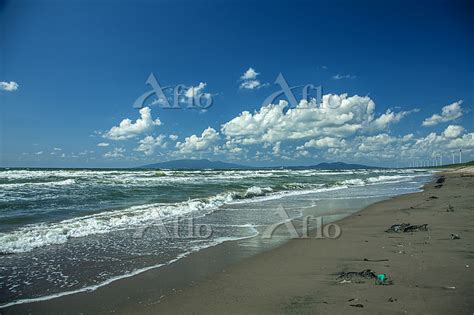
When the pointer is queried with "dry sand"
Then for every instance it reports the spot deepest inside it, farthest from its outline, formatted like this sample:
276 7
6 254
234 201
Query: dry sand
431 272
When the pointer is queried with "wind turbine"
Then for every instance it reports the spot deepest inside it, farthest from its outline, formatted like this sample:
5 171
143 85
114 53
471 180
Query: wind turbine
460 158
453 156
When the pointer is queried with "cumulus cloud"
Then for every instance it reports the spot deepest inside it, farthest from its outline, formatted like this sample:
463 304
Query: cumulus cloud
453 131
173 137
115 153
336 116
103 144
326 142
196 91
464 142
148 144
448 113
389 117
9 86
198 143
276 148
128 129
249 80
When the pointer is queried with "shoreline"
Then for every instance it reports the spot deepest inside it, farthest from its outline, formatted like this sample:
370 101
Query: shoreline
232 281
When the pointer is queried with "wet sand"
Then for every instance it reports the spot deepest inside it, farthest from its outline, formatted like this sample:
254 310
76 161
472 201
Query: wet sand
431 272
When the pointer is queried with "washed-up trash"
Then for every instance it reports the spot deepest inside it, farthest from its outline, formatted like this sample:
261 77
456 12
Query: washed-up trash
450 209
345 281
406 228
360 276
391 299
455 236
375 260
357 305
381 277
439 182
357 276
432 197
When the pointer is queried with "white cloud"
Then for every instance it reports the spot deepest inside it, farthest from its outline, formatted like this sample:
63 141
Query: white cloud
115 153
39 153
453 131
249 74
57 149
343 76
198 143
337 116
448 113
251 84
464 142
173 137
148 144
276 148
385 120
86 152
195 91
128 129
9 86
103 144
326 142
249 80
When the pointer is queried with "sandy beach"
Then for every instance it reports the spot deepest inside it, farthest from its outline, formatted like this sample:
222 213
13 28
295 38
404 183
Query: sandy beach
429 272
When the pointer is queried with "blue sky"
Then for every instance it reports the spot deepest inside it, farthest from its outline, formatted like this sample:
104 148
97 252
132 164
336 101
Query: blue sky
71 71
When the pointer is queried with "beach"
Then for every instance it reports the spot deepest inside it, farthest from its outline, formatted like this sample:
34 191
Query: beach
428 271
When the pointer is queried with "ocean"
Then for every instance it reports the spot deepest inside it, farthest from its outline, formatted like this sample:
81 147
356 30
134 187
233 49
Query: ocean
64 231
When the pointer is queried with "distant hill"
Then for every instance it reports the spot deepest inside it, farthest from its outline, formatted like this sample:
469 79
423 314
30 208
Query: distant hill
207 164
195 164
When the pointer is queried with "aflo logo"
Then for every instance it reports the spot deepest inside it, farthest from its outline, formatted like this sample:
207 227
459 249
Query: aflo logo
288 92
191 97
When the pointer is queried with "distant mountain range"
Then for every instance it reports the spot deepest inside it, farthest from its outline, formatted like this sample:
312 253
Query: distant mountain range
207 164
335 166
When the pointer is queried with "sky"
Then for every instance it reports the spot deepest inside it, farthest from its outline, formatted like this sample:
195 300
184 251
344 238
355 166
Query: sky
396 82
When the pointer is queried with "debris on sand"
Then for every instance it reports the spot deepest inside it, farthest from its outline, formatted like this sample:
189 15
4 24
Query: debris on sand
357 276
391 299
439 182
407 228
361 276
375 260
382 279
449 288
356 305
432 197
455 236
450 208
